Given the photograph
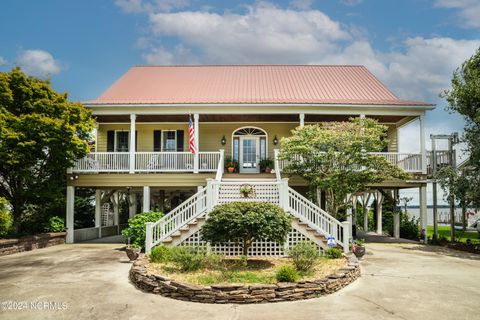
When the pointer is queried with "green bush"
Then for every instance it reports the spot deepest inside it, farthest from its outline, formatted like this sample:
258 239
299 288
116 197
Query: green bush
6 221
333 253
137 225
214 262
188 258
55 224
287 274
243 222
160 254
304 255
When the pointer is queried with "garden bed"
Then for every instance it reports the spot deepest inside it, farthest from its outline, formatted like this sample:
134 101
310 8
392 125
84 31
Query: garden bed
10 246
254 283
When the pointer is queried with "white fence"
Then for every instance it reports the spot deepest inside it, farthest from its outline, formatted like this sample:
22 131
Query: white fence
96 162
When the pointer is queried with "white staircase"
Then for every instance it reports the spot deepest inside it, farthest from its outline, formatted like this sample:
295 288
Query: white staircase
310 221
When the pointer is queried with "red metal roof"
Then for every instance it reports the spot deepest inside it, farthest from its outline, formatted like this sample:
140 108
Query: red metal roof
250 84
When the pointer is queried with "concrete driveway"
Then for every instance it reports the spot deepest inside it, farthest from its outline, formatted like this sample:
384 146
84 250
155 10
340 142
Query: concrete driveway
399 281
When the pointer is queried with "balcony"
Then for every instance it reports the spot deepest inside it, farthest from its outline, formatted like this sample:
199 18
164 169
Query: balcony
154 162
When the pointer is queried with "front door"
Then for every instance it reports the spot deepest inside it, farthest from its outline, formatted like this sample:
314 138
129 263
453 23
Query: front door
249 154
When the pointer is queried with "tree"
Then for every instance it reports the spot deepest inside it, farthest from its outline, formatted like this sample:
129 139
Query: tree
245 222
464 98
41 135
333 157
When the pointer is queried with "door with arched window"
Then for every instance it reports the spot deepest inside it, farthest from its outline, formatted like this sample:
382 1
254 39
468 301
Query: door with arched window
249 146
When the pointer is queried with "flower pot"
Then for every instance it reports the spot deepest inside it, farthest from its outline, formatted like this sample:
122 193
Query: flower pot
245 194
268 170
359 251
132 253
231 169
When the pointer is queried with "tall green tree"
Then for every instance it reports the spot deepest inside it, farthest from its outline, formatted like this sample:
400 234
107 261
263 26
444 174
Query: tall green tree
41 135
334 157
464 98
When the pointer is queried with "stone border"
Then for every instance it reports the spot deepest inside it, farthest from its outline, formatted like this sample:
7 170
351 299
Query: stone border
230 293
10 246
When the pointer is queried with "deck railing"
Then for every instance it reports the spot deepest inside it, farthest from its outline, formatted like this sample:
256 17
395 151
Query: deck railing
96 162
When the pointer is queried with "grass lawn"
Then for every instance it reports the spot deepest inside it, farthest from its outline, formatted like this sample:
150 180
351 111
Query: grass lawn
257 271
461 236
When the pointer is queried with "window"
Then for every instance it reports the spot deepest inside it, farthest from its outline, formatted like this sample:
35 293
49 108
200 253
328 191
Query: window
121 141
236 149
169 140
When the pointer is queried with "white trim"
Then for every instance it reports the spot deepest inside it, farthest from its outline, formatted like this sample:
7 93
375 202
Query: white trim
218 122
244 127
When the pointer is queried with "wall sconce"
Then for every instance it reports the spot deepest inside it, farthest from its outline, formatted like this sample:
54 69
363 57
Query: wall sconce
75 177
275 140
223 141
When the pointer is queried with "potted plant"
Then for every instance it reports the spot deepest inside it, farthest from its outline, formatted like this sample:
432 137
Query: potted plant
230 165
358 248
266 165
246 190
133 251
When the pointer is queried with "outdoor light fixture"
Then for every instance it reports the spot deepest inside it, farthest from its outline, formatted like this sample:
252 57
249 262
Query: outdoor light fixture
275 140
223 141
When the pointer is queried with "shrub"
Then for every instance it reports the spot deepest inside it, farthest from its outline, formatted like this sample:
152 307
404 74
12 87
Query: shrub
214 261
55 224
333 253
188 258
6 221
160 254
287 274
137 225
244 222
304 255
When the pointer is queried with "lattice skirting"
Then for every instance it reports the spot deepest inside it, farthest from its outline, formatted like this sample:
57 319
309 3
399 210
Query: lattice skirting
260 192
258 248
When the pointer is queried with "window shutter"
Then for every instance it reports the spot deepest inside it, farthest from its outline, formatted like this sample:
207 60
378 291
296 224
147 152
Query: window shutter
180 141
136 140
157 139
110 141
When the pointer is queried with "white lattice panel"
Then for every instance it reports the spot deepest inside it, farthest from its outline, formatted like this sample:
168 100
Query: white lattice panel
258 249
266 192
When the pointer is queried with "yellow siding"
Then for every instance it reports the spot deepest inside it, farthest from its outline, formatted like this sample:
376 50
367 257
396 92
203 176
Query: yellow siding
210 134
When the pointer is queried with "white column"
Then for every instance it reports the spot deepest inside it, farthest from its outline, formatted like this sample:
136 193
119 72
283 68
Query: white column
423 151
132 209
132 148
146 199
115 208
347 235
396 224
283 193
302 119
98 208
197 146
423 209
379 213
70 213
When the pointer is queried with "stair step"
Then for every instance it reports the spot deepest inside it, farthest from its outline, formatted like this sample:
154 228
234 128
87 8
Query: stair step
176 234
184 228
167 240
193 223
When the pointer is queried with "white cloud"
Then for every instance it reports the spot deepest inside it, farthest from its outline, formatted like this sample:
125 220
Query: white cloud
468 11
38 63
351 2
264 34
2 61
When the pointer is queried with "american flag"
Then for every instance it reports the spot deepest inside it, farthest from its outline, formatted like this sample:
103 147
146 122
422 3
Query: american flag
191 133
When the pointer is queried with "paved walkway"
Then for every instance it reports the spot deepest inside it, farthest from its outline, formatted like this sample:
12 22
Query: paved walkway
399 281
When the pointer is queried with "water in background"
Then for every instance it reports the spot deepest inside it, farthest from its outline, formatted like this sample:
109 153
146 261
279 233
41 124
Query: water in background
443 215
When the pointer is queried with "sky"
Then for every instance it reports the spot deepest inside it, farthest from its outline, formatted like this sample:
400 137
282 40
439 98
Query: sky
412 46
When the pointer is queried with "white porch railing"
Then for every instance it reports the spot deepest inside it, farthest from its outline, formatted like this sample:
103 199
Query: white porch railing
96 162
189 210
104 162
410 162
318 219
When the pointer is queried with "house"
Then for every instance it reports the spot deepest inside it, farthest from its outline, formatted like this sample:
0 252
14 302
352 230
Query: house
239 112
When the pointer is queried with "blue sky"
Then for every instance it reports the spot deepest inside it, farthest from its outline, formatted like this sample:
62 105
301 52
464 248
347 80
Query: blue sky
411 45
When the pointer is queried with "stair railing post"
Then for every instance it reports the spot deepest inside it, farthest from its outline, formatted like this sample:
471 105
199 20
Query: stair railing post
148 237
210 194
283 193
346 236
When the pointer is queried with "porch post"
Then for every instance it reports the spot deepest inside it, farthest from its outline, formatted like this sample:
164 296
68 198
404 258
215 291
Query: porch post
302 119
423 151
70 213
197 146
379 213
98 210
423 210
116 205
133 146
146 199
132 209
347 234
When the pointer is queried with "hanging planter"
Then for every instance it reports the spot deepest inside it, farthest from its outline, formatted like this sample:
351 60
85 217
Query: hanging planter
246 190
